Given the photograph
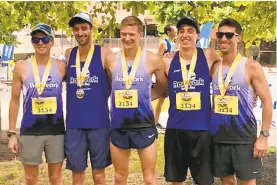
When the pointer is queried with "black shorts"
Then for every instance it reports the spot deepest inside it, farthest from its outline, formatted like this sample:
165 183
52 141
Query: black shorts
127 139
230 159
188 149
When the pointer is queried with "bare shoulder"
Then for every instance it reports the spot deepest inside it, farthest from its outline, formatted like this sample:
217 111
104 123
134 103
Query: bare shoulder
162 42
252 66
167 62
105 51
20 69
211 53
21 66
208 51
61 63
104 54
152 57
111 57
67 52
110 61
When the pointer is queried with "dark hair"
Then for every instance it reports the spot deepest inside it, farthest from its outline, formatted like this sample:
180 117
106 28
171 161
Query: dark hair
78 20
232 23
167 28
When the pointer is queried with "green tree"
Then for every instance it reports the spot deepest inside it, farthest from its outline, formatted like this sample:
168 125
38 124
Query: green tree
16 15
257 24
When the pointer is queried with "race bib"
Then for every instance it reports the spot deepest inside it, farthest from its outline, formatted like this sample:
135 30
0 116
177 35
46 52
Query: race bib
188 101
126 98
226 105
44 105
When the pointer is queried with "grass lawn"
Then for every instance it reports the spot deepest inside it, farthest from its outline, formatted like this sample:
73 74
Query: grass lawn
11 173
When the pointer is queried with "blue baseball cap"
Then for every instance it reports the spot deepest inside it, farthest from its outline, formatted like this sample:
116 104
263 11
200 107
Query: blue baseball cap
79 18
45 28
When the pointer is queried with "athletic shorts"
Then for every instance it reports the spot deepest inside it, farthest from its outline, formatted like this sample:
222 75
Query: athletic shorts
126 139
32 147
230 159
80 142
185 149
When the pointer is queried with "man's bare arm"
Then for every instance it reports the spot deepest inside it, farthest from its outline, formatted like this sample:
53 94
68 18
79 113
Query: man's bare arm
67 54
260 84
258 80
15 95
161 49
160 88
105 52
109 66
212 57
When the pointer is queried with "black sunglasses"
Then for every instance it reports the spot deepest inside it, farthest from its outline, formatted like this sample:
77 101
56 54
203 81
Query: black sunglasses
45 40
228 35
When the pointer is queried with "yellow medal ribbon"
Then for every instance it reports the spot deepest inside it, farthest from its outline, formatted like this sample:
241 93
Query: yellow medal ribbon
223 87
185 73
128 79
81 75
40 84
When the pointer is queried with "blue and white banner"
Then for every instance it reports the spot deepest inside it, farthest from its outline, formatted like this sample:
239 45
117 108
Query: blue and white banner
7 53
204 41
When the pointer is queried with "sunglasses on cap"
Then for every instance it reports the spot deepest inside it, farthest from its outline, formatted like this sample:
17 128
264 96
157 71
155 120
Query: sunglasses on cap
44 40
228 35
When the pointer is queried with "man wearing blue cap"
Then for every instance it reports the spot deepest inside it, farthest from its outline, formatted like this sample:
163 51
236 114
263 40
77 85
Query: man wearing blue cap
42 127
87 120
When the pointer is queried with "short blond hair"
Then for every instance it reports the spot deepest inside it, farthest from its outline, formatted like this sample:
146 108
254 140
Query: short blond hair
132 21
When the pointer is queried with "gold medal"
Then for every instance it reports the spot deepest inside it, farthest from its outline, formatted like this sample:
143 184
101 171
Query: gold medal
81 75
40 84
80 93
186 74
128 79
226 104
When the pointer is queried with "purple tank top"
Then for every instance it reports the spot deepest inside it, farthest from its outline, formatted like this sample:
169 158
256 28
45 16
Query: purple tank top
199 82
133 118
241 128
49 124
92 111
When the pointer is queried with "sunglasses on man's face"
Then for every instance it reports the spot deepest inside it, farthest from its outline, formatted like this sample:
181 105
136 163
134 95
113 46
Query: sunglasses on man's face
228 35
45 40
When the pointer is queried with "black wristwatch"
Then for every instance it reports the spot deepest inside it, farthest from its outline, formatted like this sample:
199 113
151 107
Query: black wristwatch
265 133
9 133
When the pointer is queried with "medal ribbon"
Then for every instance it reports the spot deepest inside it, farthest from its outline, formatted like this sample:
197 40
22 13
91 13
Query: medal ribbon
81 75
40 85
223 87
185 73
128 79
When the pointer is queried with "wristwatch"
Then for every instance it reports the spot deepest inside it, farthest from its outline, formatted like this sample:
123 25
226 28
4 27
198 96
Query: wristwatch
265 133
10 133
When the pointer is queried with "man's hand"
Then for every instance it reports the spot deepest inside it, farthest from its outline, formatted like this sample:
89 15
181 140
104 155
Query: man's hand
169 54
260 147
13 144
